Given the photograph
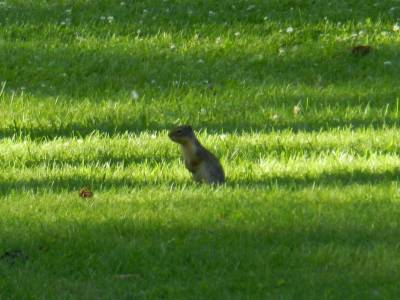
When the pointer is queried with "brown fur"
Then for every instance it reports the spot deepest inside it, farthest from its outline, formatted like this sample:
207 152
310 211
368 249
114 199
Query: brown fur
203 165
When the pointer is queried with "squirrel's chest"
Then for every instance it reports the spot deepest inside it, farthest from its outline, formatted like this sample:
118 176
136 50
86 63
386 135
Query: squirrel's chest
190 158
189 152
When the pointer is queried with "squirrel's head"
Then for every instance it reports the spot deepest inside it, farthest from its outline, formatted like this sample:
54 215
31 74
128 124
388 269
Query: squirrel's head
181 134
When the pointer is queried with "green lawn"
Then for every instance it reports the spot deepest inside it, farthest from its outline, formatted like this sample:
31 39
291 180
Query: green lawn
308 135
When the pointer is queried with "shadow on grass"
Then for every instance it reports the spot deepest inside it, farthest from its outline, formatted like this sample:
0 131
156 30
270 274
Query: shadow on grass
111 127
101 182
223 258
77 73
344 178
173 16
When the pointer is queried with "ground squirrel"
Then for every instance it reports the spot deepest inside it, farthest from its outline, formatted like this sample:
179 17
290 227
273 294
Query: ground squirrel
203 165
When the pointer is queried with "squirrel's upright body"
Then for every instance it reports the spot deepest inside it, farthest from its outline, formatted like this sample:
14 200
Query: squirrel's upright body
203 165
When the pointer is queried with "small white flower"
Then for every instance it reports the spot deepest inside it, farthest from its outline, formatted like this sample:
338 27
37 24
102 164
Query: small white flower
296 109
275 117
265 18
110 19
68 11
62 23
354 35
134 95
172 47
223 136
396 27
145 11
211 13
289 29
281 51
122 3
102 18
153 136
387 63
361 32
237 33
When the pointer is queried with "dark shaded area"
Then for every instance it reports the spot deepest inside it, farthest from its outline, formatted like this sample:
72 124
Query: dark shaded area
78 73
14 256
361 50
339 178
187 14
292 259
213 125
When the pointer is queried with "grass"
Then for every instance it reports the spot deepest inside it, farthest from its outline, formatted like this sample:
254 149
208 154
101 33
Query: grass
307 134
